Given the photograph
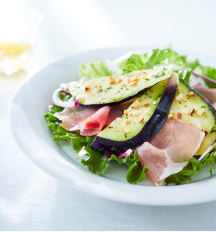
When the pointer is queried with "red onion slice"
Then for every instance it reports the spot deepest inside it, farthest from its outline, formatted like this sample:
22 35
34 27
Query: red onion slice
197 85
205 78
70 103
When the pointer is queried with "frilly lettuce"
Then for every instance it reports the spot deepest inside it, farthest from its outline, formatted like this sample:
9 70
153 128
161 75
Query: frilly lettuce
194 167
95 161
94 69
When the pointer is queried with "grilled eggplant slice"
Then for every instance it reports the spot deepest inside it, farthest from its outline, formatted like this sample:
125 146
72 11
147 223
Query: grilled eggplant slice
190 107
117 89
141 122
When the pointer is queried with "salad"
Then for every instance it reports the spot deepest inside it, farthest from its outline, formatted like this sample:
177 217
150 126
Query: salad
152 112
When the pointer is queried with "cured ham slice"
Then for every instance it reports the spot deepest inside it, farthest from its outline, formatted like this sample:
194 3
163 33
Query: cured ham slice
115 112
73 118
214 105
210 94
94 124
166 153
89 121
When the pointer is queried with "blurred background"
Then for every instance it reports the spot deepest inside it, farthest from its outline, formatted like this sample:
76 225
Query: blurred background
29 198
70 26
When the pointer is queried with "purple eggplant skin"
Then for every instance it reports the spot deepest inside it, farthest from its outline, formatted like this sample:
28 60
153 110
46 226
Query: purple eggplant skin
150 129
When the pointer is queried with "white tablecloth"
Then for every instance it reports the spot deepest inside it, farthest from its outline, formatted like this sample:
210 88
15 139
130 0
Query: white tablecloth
32 200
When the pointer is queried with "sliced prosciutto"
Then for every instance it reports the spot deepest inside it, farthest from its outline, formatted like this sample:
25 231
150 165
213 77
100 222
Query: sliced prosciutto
89 121
166 153
115 112
73 118
214 105
94 124
210 94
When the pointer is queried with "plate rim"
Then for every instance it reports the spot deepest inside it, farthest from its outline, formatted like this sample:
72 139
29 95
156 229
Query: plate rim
115 193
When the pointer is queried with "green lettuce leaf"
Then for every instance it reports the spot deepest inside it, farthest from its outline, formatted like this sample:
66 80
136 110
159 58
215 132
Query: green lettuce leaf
95 162
148 60
156 57
98 165
64 96
94 69
194 167
184 74
209 72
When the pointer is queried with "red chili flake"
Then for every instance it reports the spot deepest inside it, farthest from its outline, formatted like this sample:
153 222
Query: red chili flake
142 120
192 112
67 92
178 115
206 132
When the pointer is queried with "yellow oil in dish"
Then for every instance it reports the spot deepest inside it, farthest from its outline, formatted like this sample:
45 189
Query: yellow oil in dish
13 56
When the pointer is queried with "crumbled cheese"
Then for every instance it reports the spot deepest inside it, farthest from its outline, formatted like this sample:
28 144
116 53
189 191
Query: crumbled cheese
111 80
125 112
135 103
170 116
118 80
127 122
200 112
134 112
135 78
129 114
127 131
145 104
133 83
179 97
191 95
184 111
172 112
154 102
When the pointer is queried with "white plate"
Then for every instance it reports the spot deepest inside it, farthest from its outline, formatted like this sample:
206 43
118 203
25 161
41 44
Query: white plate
34 138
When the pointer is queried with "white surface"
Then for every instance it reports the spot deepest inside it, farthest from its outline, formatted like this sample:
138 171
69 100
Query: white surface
59 159
32 200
